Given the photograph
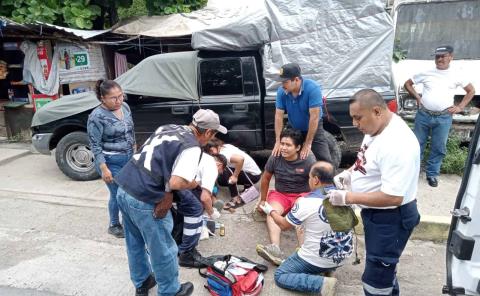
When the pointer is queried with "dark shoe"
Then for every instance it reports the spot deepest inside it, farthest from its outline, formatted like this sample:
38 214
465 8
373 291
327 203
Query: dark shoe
186 289
191 259
432 181
147 285
116 231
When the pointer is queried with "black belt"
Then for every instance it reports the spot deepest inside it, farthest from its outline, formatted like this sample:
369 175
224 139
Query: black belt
434 113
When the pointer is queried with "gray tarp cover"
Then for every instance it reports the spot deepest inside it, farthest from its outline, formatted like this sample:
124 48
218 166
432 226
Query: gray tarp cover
345 45
170 75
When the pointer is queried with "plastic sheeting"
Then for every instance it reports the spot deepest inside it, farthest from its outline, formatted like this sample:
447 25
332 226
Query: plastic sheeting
64 107
345 45
170 75
33 70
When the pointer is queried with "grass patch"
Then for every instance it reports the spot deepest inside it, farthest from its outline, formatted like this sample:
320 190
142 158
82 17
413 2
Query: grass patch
455 158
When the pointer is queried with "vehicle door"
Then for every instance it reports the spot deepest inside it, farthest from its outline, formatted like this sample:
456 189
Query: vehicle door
230 87
463 246
151 112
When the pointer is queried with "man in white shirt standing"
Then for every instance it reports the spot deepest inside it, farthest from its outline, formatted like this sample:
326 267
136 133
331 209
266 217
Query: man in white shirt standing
436 106
383 182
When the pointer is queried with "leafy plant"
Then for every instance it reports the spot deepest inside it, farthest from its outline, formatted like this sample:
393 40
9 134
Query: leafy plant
138 8
454 161
455 158
79 13
29 11
163 7
398 53
6 7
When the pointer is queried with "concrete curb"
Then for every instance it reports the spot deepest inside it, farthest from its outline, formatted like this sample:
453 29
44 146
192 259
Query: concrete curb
13 156
430 228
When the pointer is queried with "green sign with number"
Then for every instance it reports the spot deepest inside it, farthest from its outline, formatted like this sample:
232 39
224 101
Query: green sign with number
81 59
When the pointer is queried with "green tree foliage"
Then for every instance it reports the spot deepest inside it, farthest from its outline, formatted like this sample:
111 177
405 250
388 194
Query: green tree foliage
138 8
79 14
91 14
162 7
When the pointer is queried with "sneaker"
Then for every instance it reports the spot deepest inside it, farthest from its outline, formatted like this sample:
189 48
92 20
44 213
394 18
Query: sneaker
116 231
186 289
146 286
191 259
329 286
271 253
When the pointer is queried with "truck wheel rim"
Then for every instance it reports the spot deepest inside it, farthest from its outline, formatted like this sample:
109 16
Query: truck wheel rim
80 158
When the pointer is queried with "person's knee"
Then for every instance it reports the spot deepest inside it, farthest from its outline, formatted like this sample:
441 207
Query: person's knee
277 276
378 274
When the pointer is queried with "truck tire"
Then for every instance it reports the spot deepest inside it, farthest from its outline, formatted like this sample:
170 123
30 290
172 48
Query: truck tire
74 157
334 148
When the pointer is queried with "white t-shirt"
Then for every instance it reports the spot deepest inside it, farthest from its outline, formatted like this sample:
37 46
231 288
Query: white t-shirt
439 87
207 172
389 162
186 163
322 246
249 165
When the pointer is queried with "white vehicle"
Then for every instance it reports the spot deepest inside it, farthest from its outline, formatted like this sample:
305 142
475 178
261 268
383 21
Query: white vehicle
421 26
463 245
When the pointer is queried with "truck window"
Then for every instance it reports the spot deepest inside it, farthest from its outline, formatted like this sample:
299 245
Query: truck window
421 27
221 77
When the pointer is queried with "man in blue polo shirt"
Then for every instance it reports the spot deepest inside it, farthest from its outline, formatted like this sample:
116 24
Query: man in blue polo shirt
302 100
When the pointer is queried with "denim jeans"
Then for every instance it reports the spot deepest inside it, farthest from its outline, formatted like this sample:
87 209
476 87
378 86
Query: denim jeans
439 127
299 275
115 163
144 236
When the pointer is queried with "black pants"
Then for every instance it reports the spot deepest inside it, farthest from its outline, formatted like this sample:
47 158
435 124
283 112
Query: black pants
320 144
242 180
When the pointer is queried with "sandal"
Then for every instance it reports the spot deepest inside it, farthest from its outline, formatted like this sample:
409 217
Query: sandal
234 203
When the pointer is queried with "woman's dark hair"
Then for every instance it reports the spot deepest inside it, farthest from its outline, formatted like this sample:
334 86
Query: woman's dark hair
213 143
103 87
295 135
220 158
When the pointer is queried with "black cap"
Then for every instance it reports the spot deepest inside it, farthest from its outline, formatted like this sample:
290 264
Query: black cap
443 49
289 71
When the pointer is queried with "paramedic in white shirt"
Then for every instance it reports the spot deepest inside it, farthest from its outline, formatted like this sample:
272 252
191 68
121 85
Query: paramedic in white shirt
383 182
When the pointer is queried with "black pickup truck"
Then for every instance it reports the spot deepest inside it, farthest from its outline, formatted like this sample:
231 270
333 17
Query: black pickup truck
169 88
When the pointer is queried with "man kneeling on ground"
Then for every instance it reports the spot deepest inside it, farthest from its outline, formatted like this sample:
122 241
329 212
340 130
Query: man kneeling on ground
300 272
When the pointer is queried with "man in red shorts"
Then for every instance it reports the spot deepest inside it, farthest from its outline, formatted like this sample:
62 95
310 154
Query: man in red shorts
291 182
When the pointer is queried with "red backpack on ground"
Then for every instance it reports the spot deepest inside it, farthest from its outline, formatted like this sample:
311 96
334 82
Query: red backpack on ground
233 276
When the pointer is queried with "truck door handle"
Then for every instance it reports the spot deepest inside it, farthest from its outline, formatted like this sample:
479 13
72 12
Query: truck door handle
240 108
179 110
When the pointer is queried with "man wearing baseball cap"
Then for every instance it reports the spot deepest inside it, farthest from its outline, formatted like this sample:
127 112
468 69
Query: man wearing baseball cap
436 107
302 100
167 161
